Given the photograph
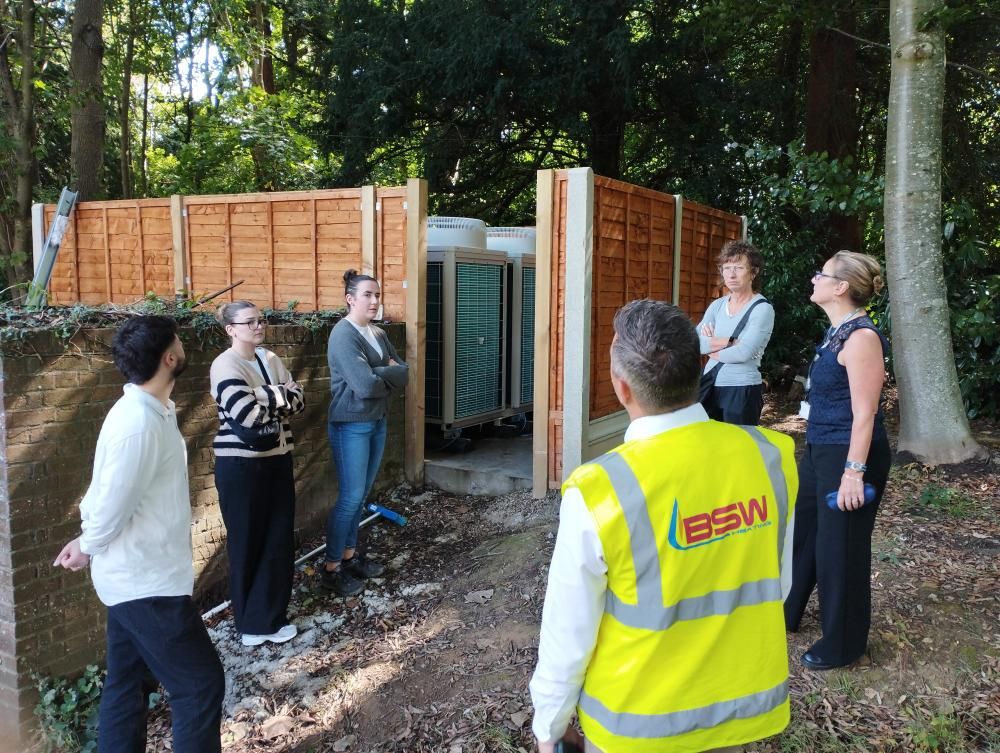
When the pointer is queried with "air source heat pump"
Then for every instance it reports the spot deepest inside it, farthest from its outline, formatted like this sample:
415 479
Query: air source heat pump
466 337
518 243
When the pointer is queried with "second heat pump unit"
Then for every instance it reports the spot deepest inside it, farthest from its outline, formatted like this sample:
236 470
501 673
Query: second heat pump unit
480 322
518 244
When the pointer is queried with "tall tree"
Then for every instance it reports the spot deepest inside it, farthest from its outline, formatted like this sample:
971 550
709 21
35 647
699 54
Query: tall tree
831 110
933 424
87 122
19 123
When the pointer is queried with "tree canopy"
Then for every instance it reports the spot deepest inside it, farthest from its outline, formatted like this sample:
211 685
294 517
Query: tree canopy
772 109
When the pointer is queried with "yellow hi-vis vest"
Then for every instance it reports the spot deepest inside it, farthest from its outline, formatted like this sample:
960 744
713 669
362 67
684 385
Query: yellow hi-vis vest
691 651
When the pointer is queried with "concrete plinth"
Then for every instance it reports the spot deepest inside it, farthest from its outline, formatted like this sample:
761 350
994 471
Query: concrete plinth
494 467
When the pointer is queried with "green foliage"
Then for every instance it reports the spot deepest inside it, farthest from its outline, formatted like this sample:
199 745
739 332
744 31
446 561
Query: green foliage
941 733
67 711
936 500
790 213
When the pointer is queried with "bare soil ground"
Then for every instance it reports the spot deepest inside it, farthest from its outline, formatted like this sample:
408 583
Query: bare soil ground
436 656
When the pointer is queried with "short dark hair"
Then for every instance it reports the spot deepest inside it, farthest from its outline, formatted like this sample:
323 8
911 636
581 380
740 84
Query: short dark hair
140 343
657 352
733 250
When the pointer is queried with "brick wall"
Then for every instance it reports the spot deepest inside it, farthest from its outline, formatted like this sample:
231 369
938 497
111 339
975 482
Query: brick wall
53 398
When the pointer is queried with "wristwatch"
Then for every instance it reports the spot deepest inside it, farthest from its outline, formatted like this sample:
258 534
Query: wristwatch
854 465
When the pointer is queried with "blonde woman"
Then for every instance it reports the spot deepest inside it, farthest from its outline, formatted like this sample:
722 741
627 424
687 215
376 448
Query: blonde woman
846 447
255 395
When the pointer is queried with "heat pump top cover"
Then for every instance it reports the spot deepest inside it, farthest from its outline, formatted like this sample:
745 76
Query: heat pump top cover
513 241
456 231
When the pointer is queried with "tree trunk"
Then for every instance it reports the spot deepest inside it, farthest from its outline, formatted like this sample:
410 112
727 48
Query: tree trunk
125 105
831 113
87 119
143 177
20 116
263 63
933 424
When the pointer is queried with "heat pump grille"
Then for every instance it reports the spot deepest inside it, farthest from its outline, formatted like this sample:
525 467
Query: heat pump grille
527 335
478 339
434 340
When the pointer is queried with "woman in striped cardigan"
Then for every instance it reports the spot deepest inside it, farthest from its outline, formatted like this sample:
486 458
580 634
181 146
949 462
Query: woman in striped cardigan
255 396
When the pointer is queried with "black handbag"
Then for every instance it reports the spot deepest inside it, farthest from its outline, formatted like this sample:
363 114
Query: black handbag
263 437
706 387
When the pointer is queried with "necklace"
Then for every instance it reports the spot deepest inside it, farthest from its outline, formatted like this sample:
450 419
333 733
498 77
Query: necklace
833 330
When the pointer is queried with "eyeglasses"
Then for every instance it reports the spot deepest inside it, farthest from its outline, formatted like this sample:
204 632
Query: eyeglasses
732 268
252 323
818 273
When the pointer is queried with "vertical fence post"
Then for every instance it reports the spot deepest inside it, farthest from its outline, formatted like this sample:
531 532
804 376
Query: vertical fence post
576 328
182 282
744 228
545 183
369 231
416 315
678 221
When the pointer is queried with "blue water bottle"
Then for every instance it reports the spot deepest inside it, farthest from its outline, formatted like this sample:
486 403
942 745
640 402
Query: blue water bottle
831 498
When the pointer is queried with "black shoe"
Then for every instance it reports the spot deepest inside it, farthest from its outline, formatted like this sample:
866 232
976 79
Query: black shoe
361 567
339 582
812 661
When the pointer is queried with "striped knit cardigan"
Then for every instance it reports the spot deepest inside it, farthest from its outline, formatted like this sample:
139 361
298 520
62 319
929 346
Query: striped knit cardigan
241 395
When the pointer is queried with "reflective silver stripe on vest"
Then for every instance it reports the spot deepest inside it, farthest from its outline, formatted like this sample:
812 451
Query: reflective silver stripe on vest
652 726
645 552
650 613
772 461
714 603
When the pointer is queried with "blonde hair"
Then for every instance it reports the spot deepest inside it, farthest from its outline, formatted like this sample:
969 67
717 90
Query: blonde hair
861 272
226 313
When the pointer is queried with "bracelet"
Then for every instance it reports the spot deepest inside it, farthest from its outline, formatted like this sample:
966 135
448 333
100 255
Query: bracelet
854 465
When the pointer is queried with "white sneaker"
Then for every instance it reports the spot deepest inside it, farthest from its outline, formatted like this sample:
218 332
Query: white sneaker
286 633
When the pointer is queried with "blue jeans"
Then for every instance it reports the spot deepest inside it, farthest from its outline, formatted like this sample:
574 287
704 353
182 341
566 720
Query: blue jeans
162 637
357 448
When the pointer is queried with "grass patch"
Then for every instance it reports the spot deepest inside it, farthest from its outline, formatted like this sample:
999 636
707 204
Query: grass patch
497 739
941 733
936 500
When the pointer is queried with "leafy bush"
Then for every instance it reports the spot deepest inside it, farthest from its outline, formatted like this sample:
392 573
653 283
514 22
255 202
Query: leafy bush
67 711
795 198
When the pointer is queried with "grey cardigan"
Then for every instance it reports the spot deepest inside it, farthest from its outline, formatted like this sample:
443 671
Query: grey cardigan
361 381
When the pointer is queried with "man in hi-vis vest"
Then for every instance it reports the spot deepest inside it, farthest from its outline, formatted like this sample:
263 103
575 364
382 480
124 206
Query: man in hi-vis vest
663 624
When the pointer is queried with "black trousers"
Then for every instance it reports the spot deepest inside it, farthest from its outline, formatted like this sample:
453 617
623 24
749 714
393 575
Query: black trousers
737 405
161 637
257 498
833 552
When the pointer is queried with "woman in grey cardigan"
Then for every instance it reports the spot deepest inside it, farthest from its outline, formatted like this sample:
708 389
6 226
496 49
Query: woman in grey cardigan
364 371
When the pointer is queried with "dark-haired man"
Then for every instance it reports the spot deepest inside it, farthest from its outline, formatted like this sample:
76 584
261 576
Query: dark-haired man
663 622
136 523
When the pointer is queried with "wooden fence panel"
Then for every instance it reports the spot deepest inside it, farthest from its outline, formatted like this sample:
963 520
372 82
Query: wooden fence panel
113 251
633 258
703 231
289 248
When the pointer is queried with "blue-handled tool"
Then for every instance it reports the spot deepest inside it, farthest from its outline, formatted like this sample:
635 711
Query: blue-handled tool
385 512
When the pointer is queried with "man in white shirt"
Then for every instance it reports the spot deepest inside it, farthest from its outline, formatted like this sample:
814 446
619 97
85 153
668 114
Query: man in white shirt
136 537
630 682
